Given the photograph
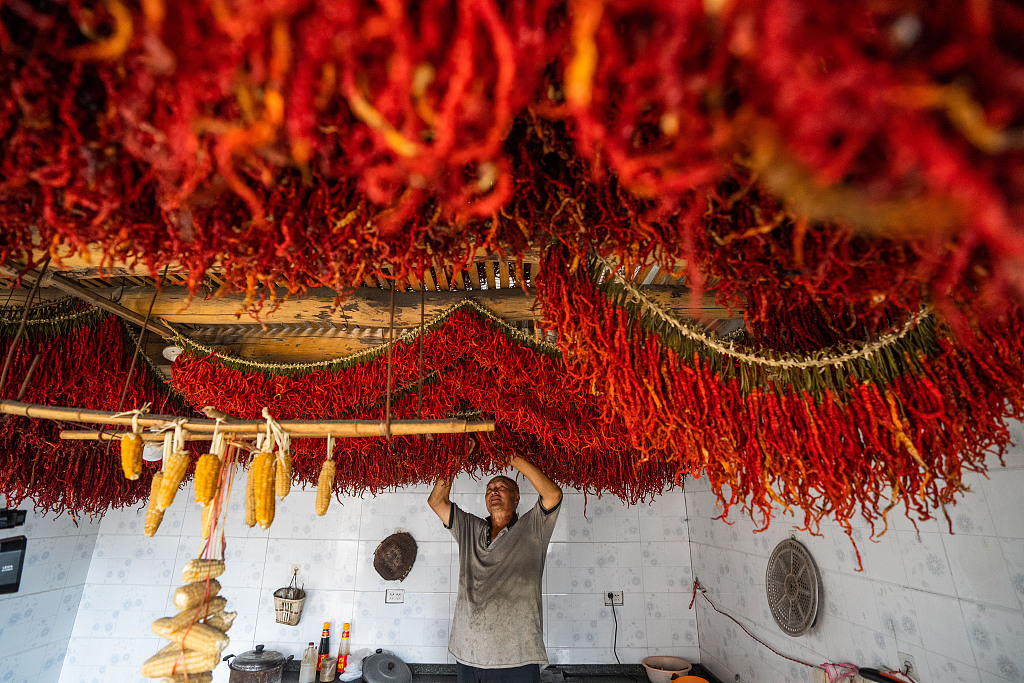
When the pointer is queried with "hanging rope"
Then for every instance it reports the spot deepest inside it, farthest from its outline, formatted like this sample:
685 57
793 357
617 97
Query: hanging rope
21 326
351 360
763 358
391 349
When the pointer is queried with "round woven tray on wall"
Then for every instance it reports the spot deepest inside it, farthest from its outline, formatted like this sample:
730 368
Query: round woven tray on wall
394 557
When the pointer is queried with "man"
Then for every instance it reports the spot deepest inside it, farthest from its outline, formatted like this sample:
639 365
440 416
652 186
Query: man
497 632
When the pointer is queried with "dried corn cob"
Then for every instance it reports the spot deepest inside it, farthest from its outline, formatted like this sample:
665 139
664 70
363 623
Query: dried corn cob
205 677
222 621
200 569
174 471
283 474
262 469
172 659
207 477
198 637
207 520
325 487
250 497
192 594
194 614
154 515
131 455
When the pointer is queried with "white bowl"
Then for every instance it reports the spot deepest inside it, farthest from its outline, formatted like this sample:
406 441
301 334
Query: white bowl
661 669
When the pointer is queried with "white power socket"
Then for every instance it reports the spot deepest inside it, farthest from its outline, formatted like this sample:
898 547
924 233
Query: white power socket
394 595
613 598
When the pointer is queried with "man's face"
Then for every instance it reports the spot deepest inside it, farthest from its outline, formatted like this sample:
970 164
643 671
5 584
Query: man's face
501 496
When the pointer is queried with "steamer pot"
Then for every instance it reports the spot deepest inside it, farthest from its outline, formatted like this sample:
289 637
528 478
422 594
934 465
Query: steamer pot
384 667
257 666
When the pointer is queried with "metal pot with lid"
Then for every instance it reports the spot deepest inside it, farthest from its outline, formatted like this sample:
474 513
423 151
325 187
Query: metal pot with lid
257 666
384 667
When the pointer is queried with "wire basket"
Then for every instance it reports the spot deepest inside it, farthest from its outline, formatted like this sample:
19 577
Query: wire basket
288 603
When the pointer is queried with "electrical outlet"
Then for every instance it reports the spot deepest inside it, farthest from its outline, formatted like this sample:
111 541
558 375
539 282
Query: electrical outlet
392 595
296 568
613 598
908 666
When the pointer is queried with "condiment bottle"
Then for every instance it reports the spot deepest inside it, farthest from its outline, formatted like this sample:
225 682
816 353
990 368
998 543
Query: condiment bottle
307 672
325 645
343 649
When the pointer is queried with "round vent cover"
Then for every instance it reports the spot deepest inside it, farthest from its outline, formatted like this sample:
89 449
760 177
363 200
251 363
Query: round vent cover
792 584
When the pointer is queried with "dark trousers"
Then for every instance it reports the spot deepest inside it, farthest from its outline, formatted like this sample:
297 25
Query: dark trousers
530 673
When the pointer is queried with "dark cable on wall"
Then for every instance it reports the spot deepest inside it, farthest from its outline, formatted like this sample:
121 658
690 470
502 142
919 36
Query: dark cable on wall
615 633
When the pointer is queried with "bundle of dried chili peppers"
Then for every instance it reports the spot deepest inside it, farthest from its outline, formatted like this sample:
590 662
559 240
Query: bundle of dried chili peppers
84 363
895 427
309 144
471 365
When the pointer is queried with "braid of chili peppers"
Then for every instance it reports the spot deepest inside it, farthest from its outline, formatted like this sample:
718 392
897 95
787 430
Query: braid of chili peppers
821 452
78 477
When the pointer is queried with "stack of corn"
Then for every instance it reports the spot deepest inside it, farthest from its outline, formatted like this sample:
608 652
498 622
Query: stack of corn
198 633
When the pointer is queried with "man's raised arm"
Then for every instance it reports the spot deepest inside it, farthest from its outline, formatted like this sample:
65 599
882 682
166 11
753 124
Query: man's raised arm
550 492
440 501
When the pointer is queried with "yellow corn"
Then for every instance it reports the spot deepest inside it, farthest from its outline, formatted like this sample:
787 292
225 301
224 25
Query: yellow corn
173 660
131 456
222 620
194 614
207 477
325 487
283 474
200 569
198 637
262 469
250 497
205 677
154 515
194 593
207 520
174 472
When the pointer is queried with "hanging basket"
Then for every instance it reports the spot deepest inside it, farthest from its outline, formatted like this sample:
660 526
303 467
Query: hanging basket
288 603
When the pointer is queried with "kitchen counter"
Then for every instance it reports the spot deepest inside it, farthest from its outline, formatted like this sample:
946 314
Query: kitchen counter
569 673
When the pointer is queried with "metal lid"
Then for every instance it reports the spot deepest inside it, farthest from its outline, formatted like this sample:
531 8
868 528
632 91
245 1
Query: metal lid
256 660
384 667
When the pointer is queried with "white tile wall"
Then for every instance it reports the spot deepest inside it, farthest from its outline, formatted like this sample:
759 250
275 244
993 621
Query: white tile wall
36 622
599 544
955 602
952 601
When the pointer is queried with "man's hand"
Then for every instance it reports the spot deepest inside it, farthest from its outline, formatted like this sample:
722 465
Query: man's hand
440 501
550 492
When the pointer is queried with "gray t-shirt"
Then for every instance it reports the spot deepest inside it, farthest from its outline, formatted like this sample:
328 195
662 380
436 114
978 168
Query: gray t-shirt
499 620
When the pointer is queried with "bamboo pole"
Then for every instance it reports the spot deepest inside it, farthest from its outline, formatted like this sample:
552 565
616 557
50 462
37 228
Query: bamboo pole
338 429
295 428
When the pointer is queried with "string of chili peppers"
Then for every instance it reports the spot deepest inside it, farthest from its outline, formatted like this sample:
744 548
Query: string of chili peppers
539 410
83 364
309 145
895 431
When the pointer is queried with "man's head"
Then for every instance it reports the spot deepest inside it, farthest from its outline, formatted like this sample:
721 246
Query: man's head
502 496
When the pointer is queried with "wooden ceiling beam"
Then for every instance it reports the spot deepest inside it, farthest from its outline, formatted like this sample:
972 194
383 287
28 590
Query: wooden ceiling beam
98 298
367 307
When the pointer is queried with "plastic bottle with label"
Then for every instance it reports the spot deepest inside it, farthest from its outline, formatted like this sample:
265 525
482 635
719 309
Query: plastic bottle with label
307 671
343 649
